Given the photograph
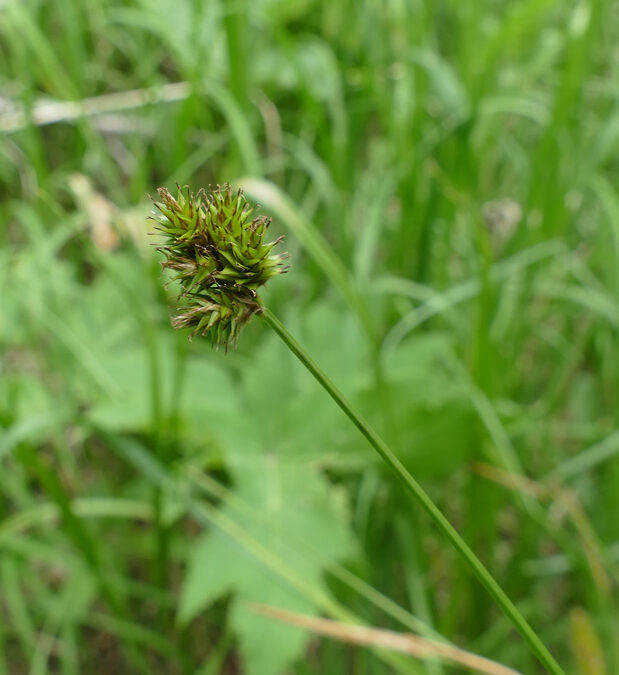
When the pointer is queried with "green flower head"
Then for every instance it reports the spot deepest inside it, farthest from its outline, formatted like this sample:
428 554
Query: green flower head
218 252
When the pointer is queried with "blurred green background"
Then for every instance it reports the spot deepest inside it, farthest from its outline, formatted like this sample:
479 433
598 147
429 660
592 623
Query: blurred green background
446 175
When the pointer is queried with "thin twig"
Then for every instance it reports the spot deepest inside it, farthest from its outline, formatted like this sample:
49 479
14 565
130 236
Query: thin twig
45 112
406 643
570 503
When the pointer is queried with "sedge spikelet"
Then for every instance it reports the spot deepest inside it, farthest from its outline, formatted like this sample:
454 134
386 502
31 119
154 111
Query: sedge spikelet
215 244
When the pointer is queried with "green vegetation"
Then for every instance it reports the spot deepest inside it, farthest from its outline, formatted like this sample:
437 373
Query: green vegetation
446 176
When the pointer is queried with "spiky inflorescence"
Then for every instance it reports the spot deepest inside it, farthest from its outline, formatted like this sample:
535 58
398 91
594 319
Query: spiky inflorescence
220 258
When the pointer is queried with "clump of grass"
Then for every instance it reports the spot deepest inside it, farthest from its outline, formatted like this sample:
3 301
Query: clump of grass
221 261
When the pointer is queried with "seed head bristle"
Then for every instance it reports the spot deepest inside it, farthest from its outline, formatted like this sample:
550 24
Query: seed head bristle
219 256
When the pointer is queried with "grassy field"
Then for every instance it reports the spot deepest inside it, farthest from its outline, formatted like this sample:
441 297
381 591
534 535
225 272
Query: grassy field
446 175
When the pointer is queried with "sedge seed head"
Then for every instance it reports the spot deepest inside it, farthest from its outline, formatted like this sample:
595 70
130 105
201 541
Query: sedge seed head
214 243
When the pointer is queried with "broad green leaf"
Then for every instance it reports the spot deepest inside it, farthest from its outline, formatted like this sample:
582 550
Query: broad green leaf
288 409
299 520
430 419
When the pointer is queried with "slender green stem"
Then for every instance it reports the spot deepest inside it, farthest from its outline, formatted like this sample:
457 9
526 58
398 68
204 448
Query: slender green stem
476 566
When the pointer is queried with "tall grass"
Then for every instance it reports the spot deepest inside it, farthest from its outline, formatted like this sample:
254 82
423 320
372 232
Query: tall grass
450 177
